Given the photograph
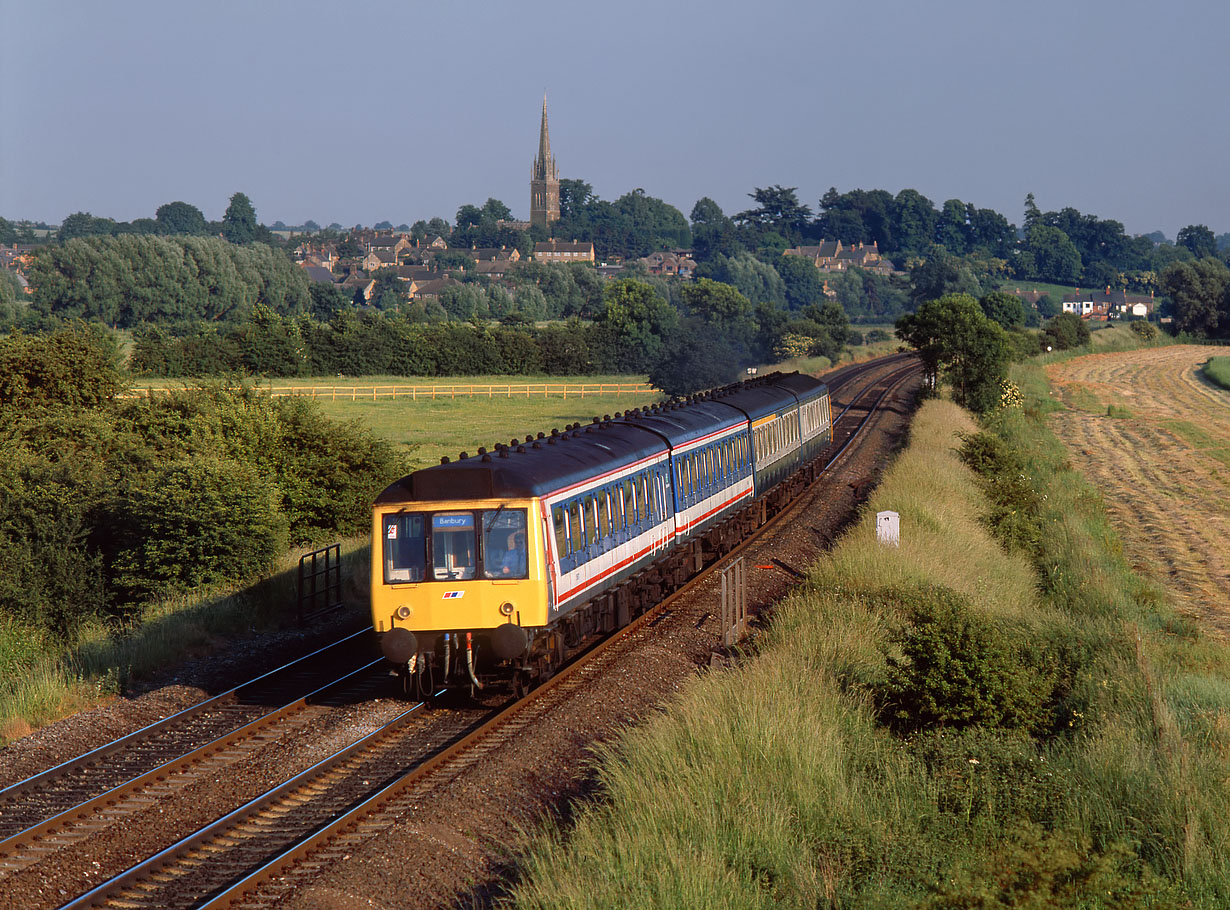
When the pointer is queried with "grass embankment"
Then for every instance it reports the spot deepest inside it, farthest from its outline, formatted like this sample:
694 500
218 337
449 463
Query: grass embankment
1218 370
947 724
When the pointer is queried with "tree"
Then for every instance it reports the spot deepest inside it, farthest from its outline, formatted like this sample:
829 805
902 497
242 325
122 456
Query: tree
239 222
804 286
180 218
1055 256
777 209
698 357
959 344
495 210
635 323
940 274
1199 295
712 232
1067 330
1199 239
1005 309
574 197
83 224
916 223
755 280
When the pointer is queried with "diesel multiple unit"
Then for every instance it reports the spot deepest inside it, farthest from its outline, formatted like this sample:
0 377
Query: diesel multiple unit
497 565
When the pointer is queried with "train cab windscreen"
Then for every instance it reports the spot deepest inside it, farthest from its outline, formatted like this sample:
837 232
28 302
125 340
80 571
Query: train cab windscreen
504 549
405 548
450 543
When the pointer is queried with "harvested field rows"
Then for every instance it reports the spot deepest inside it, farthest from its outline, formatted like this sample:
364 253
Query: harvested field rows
1162 463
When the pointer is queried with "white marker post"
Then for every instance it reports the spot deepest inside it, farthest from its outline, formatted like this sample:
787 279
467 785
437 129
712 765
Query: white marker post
888 529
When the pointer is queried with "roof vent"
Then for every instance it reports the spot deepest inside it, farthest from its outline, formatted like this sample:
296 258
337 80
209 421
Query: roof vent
486 458
443 459
521 449
482 450
462 457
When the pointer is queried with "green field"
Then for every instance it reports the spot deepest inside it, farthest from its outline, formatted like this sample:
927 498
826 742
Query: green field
425 430
467 412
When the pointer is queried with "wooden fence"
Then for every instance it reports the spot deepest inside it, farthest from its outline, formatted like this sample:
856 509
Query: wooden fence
434 392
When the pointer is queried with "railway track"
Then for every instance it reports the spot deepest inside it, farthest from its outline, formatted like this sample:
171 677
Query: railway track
44 813
260 850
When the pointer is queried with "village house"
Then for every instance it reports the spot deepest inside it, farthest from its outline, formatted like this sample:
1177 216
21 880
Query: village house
1108 304
676 262
559 251
834 256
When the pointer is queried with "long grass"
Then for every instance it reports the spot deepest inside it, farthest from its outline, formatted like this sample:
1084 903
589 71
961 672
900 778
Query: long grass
774 784
1218 370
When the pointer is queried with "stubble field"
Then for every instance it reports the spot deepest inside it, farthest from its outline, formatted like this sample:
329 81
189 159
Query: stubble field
1154 436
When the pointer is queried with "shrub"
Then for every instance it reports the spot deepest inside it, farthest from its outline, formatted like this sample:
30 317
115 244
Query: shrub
49 577
328 472
75 366
1147 331
1037 868
1015 518
956 670
1067 330
190 522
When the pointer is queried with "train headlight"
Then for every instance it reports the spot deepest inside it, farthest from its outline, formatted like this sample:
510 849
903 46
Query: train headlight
506 608
403 612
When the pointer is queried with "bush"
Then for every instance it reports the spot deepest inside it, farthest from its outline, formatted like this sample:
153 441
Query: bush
328 472
49 577
955 670
191 522
75 366
1067 330
1015 518
1147 331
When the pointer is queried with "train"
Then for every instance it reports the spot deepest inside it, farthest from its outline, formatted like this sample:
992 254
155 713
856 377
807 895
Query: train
494 568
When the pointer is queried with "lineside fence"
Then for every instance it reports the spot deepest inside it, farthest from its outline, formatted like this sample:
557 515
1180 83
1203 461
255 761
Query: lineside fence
434 392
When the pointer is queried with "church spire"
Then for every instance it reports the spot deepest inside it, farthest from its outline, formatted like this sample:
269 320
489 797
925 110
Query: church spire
544 164
544 179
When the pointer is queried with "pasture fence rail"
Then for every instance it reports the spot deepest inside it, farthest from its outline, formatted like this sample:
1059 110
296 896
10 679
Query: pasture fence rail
435 392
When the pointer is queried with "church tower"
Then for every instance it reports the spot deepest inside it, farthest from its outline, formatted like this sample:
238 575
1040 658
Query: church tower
544 180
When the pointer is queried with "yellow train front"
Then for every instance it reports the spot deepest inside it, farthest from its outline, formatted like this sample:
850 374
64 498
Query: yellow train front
466 561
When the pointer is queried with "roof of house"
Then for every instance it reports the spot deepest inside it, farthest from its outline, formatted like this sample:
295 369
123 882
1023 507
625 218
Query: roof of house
319 273
562 246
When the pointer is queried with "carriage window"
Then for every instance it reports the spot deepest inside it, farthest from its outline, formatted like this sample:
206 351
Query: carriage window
405 548
630 516
591 526
504 547
452 545
642 499
560 519
576 525
604 514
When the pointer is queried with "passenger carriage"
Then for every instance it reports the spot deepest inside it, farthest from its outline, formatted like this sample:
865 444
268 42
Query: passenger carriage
504 561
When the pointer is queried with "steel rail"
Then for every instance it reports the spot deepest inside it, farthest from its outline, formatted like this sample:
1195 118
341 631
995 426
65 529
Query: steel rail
159 726
74 822
165 857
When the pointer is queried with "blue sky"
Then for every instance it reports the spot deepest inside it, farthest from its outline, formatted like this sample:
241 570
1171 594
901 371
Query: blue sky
363 111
